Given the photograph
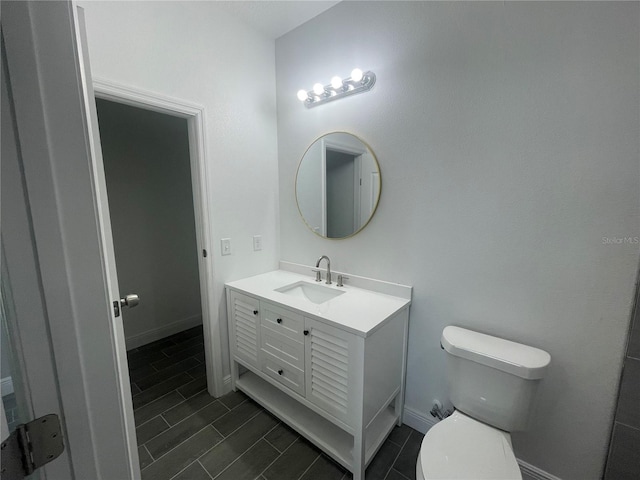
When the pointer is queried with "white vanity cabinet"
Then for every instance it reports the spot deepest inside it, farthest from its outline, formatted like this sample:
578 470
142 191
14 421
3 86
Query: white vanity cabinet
341 388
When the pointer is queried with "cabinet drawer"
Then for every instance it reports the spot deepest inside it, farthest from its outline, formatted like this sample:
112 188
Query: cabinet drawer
284 373
282 347
283 321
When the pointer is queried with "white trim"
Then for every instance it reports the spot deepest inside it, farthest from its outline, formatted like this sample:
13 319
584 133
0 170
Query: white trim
6 386
195 116
154 334
418 420
422 422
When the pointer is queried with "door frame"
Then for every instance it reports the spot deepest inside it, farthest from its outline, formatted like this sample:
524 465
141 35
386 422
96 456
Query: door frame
195 116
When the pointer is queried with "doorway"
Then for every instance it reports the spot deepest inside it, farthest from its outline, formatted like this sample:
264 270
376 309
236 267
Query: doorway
148 176
147 168
194 117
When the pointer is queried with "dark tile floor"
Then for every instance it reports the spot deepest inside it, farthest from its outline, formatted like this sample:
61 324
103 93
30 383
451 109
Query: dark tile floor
183 433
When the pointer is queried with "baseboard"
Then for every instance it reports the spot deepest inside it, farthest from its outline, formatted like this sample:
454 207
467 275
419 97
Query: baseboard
149 336
535 473
6 386
418 420
422 422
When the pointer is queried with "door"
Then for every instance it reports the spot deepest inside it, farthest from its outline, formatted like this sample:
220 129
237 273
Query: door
29 389
59 256
369 187
119 351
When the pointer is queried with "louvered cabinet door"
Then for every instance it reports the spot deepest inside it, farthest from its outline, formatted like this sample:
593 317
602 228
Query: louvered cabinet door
245 318
329 369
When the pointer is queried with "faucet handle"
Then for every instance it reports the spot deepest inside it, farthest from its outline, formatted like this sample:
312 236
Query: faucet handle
341 277
318 274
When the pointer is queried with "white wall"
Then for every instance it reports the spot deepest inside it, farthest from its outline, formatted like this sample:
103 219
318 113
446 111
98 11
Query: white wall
147 168
507 136
196 52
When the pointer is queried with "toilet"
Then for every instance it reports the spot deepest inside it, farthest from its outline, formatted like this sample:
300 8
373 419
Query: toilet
492 385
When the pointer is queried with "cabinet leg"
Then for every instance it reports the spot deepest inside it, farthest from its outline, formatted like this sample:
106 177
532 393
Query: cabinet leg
358 456
234 375
398 408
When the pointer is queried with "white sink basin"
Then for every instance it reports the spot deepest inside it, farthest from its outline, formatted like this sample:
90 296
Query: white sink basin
310 291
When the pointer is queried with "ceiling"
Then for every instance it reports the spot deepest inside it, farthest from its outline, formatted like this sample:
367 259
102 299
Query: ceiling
275 18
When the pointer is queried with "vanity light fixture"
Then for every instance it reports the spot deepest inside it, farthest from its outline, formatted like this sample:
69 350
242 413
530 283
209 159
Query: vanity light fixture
358 82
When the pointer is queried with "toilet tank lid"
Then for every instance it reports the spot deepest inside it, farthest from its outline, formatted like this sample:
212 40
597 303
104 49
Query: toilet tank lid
511 357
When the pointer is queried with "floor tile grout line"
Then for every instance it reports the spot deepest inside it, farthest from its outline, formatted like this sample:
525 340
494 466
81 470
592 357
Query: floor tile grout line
176 446
280 454
311 465
184 420
243 424
149 453
156 435
261 474
205 470
171 377
178 473
185 401
399 473
395 459
161 370
238 457
277 449
157 399
147 421
397 456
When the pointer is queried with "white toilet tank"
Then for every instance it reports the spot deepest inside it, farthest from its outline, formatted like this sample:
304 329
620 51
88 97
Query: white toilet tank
491 379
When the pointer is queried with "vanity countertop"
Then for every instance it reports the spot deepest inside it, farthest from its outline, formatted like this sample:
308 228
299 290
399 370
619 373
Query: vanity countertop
357 310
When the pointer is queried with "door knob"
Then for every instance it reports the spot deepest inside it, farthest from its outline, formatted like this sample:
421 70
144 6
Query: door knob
130 300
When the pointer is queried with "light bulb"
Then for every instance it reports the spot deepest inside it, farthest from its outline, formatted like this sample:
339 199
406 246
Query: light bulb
318 89
356 75
336 82
302 95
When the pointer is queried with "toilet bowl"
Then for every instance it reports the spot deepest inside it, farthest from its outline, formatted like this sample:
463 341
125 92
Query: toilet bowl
462 448
492 384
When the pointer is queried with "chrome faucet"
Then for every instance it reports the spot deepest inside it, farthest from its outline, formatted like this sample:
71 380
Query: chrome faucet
328 282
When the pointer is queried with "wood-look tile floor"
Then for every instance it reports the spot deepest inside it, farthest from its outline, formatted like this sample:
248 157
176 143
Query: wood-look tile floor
184 433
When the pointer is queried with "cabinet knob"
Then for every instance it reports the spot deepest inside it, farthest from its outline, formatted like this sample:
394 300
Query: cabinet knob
255 312
306 332
279 320
279 372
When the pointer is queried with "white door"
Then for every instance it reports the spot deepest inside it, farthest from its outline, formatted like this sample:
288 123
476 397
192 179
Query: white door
60 265
370 187
28 388
108 254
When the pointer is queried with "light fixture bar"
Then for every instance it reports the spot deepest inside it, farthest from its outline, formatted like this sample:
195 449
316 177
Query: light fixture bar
358 82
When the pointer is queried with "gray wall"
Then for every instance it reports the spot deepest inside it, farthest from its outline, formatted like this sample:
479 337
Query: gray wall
507 136
147 167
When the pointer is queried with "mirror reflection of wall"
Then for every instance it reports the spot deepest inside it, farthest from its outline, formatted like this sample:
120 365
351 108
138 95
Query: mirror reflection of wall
337 185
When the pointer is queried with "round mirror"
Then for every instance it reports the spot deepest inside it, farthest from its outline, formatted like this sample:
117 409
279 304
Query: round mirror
337 185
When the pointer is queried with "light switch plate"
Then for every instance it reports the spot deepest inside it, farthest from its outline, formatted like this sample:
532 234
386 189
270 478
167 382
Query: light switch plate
225 246
257 242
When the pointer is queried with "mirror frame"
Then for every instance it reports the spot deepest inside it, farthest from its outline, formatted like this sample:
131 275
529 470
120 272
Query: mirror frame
375 207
